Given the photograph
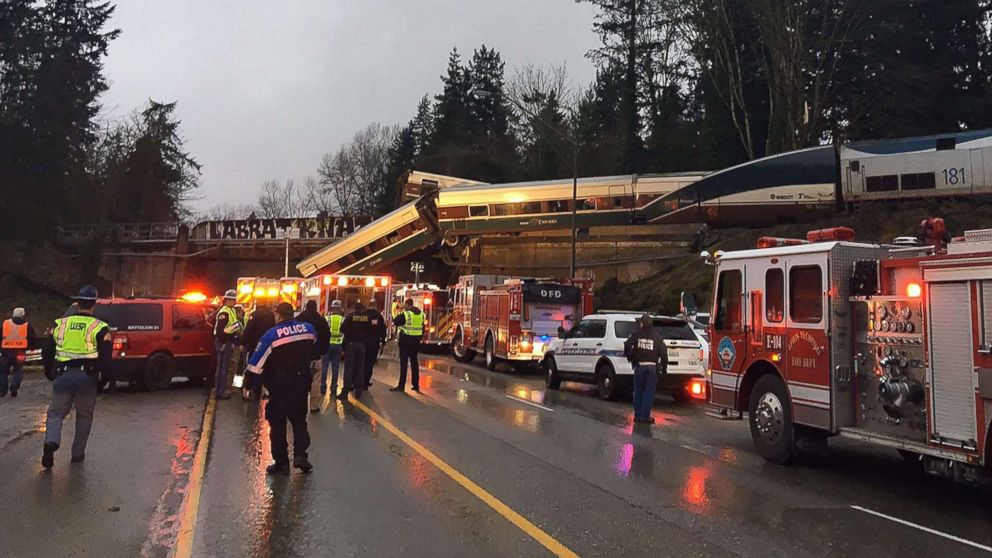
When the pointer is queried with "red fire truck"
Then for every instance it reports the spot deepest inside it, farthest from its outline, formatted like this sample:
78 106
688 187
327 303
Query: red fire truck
514 320
889 345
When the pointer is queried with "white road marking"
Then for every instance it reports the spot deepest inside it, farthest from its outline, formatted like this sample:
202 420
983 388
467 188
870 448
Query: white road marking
925 529
531 403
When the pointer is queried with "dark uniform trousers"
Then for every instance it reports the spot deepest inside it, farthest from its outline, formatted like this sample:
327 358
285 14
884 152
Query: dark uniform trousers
409 349
371 355
354 367
288 401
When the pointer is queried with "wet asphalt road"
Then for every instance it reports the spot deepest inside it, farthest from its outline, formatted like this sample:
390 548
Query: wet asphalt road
572 465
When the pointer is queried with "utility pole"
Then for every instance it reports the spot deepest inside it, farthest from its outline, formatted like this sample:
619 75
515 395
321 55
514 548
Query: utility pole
573 143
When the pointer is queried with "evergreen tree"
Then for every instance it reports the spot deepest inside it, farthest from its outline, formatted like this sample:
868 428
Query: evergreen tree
494 156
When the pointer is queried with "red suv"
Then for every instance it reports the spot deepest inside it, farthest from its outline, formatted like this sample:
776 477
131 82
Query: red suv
156 339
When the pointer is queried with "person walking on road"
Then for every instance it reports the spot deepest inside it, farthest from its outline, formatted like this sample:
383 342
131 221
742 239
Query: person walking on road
332 358
18 337
226 328
374 343
261 320
283 358
410 324
646 351
311 316
74 357
356 328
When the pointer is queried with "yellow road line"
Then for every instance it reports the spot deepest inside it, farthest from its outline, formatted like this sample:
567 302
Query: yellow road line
507 512
191 503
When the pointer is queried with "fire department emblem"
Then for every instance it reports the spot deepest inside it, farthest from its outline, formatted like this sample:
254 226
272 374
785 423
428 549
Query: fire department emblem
726 352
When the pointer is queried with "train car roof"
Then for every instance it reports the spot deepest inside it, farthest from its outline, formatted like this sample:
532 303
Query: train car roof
812 248
916 144
464 193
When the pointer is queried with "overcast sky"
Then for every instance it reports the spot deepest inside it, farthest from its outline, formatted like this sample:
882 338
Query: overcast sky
265 88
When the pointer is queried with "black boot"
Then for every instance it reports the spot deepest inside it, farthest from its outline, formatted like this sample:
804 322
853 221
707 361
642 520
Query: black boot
302 463
277 469
48 455
13 392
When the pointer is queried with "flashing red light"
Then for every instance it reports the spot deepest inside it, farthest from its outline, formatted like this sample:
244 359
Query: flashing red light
914 290
119 343
831 234
427 301
775 242
194 296
327 280
697 389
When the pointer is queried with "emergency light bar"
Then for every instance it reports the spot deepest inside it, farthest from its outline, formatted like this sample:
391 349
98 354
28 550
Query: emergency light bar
369 281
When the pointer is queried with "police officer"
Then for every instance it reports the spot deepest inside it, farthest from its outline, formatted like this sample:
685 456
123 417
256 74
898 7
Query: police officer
645 349
227 326
74 357
18 337
356 328
373 343
332 357
283 359
411 330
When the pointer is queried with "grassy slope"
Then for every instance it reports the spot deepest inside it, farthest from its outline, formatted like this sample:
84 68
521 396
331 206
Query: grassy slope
874 223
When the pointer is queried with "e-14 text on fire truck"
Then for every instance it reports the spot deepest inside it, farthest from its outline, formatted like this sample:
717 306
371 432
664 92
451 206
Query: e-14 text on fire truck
890 345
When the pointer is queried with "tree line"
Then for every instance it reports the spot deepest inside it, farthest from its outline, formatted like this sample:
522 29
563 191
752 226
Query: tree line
60 163
680 85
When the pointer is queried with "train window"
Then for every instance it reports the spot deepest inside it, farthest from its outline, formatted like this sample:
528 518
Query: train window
774 295
557 206
503 209
587 204
806 294
478 211
918 181
728 312
532 207
885 183
944 144
617 202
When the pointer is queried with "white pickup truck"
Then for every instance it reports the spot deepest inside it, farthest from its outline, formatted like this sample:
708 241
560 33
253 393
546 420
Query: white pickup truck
592 352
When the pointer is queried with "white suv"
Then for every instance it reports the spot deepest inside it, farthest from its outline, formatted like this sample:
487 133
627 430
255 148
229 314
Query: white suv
592 352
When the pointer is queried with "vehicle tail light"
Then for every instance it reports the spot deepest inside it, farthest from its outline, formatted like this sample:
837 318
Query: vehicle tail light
120 345
914 290
512 349
697 389
427 301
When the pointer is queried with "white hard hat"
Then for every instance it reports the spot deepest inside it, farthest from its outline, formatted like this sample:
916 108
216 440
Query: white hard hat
18 312
336 304
230 294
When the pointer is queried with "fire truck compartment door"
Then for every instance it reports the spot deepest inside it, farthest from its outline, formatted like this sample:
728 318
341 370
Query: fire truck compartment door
952 373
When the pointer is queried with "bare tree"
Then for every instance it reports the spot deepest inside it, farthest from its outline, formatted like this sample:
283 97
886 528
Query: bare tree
355 176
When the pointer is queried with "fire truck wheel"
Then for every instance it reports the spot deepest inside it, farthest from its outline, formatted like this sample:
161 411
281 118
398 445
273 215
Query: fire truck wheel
459 351
770 415
490 352
606 382
552 380
158 372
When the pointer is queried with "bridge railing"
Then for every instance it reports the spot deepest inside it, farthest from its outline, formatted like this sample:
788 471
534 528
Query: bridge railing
123 232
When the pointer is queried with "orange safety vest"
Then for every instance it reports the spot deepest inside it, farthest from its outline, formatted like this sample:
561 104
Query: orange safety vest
15 336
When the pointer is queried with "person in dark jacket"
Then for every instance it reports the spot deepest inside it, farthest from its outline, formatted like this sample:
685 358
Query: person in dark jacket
646 351
311 316
360 332
283 358
17 338
410 324
374 343
261 320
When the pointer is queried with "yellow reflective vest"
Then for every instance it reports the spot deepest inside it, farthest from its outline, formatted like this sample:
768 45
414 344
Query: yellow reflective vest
413 323
75 337
334 321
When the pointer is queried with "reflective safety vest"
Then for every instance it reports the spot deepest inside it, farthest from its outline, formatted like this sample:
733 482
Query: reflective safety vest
335 321
75 337
413 324
233 323
15 336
